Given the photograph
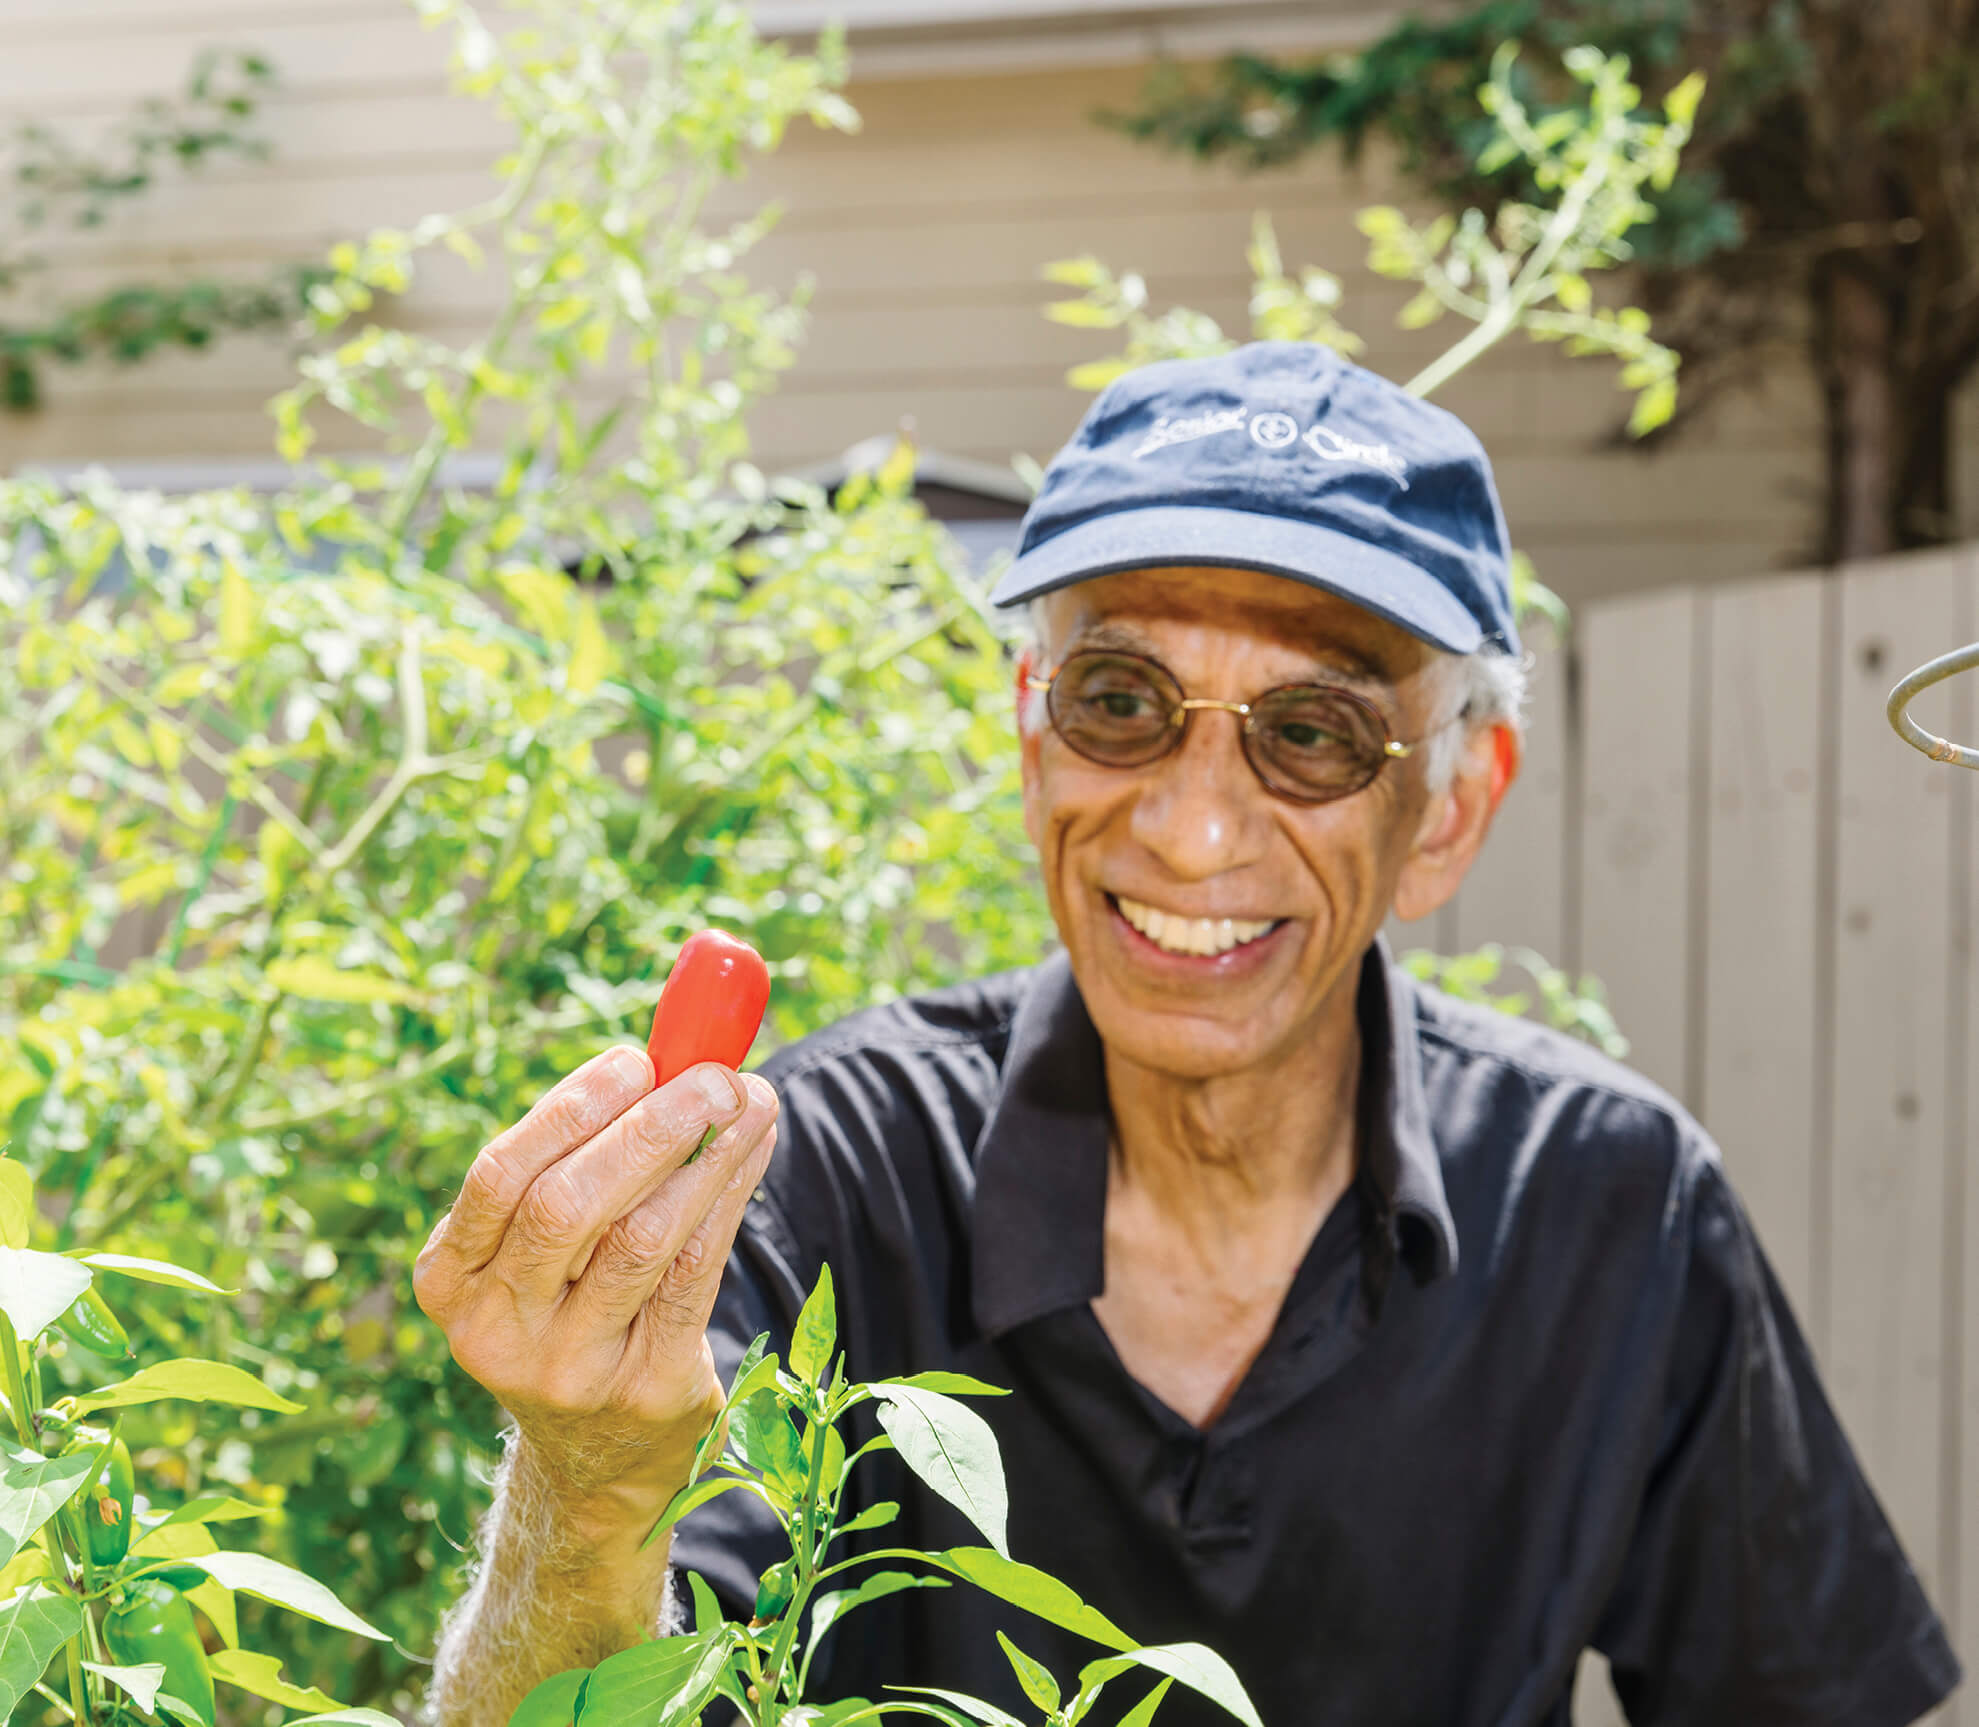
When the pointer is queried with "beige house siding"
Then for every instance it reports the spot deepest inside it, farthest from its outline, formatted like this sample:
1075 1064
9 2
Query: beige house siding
924 233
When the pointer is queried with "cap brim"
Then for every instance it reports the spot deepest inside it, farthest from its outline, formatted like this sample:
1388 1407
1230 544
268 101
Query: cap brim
1379 581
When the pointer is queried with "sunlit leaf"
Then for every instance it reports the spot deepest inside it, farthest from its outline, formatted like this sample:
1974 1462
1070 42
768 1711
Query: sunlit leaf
196 1380
951 1448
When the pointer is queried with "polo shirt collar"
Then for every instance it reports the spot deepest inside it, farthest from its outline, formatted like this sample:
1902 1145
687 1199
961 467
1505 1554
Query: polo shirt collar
1040 1205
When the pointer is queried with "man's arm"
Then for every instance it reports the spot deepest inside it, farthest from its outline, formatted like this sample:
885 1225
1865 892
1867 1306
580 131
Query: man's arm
559 1586
574 1278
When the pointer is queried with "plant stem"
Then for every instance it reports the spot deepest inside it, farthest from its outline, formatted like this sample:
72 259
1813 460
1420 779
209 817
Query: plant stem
807 1573
10 1345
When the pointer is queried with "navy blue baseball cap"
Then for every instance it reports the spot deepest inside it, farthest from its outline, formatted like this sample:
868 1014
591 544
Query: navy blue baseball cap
1280 456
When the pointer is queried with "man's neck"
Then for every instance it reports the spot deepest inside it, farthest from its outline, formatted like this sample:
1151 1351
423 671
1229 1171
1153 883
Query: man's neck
1211 1154
1215 1190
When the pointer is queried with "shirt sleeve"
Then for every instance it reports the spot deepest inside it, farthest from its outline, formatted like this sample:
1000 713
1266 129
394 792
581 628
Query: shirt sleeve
1763 1586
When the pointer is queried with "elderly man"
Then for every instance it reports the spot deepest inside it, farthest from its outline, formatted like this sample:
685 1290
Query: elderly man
1396 1349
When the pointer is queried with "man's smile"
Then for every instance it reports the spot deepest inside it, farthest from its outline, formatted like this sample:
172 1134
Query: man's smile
1199 937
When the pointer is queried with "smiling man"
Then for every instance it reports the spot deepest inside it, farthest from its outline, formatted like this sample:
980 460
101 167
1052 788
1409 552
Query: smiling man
1398 1350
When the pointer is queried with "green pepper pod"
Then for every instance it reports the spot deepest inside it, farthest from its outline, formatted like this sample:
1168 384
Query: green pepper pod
106 1512
90 1322
181 1577
154 1623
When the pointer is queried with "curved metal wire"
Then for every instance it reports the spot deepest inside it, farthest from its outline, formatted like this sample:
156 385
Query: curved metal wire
1937 748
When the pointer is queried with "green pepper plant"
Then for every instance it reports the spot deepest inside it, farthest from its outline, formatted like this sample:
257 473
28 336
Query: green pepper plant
780 1437
98 1586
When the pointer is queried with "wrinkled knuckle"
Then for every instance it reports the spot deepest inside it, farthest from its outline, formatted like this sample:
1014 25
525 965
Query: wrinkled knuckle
550 1212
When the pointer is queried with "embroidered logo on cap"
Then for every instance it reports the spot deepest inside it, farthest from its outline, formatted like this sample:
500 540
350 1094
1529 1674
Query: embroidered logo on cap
1272 429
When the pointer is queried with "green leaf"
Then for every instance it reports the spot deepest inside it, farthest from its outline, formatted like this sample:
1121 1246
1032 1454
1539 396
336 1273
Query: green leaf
974 1707
141 1683
765 1439
829 1608
214 1508
695 1494
261 1676
36 1289
552 1703
1033 1590
707 1610
951 1448
637 1682
1143 1712
951 1384
1033 1676
33 1625
817 1330
195 1380
876 1516
33 1488
254 1574
16 1203
346 1718
747 1365
151 1271
1201 1669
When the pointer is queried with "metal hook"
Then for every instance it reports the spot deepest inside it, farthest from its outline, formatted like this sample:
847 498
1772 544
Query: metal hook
1945 666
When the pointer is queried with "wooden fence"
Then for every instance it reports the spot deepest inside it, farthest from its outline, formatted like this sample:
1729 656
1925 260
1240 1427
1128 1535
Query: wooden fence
1780 899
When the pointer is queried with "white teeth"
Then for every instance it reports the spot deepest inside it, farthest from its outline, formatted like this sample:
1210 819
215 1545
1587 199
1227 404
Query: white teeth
1198 935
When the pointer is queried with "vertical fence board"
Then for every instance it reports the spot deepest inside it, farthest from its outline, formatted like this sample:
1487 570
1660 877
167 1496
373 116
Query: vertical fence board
1885 1364
1635 901
1757 1091
1962 1436
1515 893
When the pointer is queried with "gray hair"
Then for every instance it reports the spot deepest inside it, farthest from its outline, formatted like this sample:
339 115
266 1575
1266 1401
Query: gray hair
1470 693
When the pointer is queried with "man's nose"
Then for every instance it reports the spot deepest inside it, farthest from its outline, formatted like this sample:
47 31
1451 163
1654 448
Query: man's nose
1200 810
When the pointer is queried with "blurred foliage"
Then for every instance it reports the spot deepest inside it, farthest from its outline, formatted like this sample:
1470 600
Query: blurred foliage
1520 266
57 186
1824 206
407 792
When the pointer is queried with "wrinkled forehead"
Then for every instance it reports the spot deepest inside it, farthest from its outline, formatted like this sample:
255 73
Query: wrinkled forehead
1172 610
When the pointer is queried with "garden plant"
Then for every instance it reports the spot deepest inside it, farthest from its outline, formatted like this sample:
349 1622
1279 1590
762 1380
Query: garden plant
95 1583
340 822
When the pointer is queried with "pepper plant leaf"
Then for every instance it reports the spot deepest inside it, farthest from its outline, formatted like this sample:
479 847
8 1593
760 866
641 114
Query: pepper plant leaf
256 1574
33 1626
1194 1665
33 1488
195 1380
141 1683
554 1702
36 1289
1033 1590
261 1676
637 1683
816 1331
829 1608
951 1448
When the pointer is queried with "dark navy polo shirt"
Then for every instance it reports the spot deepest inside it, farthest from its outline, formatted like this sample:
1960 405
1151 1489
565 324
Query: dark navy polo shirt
1534 1388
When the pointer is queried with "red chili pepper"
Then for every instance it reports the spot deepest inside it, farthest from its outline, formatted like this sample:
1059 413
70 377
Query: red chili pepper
711 1007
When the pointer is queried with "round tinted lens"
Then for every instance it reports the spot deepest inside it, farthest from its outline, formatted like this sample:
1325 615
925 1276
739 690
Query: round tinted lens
1316 744
1113 708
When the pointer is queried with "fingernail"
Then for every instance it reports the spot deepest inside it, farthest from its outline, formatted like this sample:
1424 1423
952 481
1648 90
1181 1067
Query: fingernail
628 1068
717 1090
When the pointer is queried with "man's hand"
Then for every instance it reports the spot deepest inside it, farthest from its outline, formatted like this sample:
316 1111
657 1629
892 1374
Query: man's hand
575 1276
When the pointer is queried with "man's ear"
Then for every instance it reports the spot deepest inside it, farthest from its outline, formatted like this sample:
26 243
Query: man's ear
1456 821
1027 742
